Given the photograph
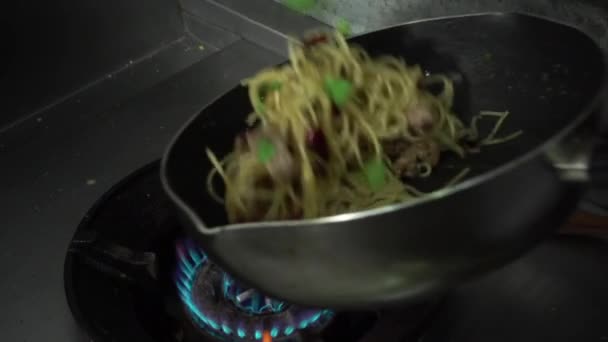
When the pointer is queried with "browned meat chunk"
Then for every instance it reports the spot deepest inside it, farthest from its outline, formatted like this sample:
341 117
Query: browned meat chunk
407 158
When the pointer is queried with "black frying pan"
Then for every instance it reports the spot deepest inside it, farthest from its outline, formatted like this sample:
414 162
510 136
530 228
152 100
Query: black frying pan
548 75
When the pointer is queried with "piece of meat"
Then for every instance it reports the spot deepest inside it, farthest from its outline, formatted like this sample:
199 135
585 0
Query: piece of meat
407 157
240 143
394 148
282 166
420 119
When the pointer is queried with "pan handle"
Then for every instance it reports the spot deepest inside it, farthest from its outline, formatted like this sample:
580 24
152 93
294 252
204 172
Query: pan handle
571 156
582 156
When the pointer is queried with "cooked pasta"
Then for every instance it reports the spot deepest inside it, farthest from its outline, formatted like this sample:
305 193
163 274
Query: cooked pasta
337 131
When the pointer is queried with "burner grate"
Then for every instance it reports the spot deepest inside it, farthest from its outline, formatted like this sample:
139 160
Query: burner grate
224 309
250 300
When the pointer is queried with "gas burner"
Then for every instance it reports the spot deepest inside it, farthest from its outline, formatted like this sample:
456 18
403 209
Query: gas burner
123 284
250 300
219 306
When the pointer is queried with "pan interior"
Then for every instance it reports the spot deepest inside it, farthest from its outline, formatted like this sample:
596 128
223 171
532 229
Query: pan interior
544 73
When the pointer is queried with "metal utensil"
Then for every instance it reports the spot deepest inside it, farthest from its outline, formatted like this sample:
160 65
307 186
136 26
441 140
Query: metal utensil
548 75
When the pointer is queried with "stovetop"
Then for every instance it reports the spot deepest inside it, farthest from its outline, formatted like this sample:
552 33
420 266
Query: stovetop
131 274
58 160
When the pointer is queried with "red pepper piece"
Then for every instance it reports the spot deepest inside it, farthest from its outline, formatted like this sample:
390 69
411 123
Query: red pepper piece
316 39
316 140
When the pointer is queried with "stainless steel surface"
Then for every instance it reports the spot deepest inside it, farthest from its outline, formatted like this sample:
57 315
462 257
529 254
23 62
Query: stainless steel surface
267 23
57 160
404 252
63 164
53 49
572 156
366 15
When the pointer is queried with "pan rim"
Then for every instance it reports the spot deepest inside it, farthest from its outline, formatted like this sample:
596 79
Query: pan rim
478 180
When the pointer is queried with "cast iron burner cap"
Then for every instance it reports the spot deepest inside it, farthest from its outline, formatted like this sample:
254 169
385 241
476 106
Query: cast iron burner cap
227 311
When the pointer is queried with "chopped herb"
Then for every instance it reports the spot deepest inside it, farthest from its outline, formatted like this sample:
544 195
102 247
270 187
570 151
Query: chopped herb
266 150
344 27
267 88
375 173
339 90
259 107
274 86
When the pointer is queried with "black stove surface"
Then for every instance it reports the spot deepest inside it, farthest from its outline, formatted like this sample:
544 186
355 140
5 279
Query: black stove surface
124 261
558 292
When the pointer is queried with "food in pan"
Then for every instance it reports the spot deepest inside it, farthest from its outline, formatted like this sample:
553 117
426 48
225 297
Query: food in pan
337 131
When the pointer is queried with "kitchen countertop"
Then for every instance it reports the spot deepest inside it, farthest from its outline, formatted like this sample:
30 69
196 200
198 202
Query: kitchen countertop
57 162
56 167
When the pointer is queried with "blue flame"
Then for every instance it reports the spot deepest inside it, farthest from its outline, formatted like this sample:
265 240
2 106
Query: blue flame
289 330
191 259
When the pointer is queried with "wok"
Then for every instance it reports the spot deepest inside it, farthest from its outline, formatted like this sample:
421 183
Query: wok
548 75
